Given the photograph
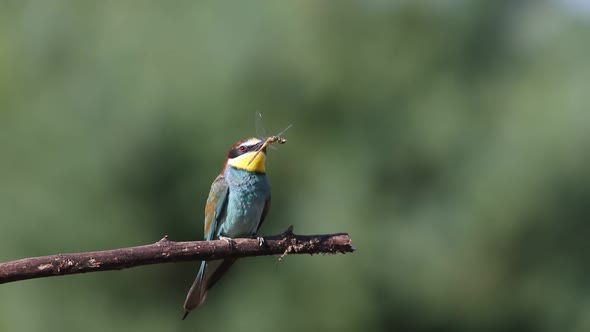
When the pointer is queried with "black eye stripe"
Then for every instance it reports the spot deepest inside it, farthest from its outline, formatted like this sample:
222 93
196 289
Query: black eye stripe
234 153
237 151
245 147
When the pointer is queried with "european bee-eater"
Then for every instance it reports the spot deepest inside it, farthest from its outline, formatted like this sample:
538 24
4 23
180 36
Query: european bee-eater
238 202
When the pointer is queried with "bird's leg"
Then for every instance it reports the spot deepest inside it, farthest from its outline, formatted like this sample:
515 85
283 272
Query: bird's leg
229 241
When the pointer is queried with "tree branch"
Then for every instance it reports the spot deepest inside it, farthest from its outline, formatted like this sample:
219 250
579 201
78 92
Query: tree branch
166 251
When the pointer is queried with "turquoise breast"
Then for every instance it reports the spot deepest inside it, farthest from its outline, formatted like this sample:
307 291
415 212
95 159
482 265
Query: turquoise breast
248 193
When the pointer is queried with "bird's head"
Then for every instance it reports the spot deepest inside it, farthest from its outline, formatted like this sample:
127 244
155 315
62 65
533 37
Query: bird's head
249 155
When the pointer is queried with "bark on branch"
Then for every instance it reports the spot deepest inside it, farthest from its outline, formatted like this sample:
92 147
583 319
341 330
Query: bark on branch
166 251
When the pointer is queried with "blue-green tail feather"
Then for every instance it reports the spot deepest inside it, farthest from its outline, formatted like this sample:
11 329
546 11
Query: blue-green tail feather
198 292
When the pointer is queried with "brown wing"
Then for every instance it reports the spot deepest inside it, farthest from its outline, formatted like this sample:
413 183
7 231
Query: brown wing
215 206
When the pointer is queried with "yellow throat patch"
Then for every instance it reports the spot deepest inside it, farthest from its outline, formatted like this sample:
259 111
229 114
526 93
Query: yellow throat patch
246 163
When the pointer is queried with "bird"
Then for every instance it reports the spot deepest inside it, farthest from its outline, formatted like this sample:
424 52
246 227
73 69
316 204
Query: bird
238 203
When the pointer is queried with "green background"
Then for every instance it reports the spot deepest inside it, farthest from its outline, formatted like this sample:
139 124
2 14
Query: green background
449 138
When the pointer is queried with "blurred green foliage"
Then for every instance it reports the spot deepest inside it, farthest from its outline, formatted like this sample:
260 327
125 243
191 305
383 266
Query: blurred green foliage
449 138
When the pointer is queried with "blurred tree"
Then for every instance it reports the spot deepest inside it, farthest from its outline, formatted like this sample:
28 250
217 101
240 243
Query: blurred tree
449 138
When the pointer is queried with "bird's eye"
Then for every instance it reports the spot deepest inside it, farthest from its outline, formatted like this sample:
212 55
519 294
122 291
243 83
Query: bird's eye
242 148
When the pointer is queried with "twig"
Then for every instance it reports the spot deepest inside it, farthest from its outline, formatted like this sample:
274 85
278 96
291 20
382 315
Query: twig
166 251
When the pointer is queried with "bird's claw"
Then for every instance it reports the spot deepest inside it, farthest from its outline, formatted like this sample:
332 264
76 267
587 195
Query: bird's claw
229 241
261 241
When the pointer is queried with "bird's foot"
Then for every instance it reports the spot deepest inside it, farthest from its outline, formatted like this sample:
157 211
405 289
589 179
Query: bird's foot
229 241
261 241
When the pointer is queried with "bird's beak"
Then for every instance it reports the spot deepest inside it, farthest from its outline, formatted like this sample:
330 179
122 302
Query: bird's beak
261 146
